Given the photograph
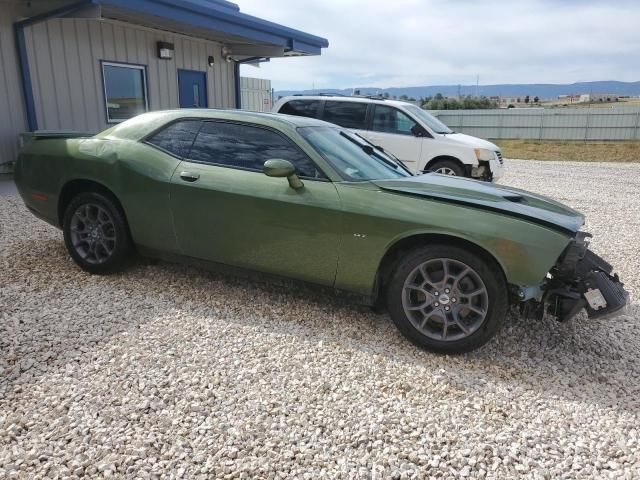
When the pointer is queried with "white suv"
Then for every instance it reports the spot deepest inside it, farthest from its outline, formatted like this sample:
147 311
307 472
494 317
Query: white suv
422 142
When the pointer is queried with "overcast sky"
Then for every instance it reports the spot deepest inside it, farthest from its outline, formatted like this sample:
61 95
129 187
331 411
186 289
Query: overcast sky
401 43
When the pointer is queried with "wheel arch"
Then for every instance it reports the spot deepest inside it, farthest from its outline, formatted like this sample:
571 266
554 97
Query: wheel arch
81 185
465 167
406 244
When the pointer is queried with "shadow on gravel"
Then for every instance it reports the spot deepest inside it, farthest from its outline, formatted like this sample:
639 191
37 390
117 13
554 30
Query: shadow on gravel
53 314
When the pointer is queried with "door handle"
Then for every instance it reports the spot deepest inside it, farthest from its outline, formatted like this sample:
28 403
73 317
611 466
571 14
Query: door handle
189 177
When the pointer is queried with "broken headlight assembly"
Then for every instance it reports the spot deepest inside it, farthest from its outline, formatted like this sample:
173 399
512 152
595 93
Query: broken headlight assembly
581 279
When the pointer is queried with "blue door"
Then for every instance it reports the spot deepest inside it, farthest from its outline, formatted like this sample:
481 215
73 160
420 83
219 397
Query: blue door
192 88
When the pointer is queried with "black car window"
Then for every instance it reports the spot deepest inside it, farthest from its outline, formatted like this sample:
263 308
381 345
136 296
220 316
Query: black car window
346 114
391 120
301 108
177 137
247 147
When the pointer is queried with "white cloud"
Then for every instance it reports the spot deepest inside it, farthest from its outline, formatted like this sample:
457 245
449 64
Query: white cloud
425 42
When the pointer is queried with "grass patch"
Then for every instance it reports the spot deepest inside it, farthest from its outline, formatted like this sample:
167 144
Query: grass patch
579 151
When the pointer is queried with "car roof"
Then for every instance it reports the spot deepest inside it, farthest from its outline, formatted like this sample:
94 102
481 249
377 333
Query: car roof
382 101
146 123
245 115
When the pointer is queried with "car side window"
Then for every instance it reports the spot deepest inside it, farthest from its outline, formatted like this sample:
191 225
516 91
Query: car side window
346 114
177 137
391 120
247 147
301 108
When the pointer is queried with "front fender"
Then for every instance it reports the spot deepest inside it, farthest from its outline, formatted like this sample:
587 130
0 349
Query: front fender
465 155
375 221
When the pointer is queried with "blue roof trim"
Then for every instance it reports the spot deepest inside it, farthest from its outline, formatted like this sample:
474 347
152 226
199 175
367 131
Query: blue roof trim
221 16
25 72
236 84
215 15
220 3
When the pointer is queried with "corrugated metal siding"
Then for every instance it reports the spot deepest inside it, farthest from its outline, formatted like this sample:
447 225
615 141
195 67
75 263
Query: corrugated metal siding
256 94
620 123
64 58
13 120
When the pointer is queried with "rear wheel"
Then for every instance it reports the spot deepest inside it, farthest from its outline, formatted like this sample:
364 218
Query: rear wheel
447 299
447 167
96 234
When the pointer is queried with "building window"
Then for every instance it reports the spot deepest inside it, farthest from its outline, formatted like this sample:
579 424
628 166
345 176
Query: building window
125 90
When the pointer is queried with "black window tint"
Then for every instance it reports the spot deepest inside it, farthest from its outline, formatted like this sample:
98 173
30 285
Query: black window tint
391 120
301 108
177 137
248 147
346 114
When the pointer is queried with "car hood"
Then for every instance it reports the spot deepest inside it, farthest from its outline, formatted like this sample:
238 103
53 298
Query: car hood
488 196
470 141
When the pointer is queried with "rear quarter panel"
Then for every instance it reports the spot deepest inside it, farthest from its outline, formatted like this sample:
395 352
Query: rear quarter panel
137 174
39 175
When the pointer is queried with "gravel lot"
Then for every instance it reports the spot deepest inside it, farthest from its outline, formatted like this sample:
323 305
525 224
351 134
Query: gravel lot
170 371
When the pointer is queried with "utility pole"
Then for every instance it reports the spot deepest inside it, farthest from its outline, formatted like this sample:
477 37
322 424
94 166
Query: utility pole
477 82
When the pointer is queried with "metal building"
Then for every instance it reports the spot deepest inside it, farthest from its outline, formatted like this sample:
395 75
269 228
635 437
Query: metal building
84 65
256 94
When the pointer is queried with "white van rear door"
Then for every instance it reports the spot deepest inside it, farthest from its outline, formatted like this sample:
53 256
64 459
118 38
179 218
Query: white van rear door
391 129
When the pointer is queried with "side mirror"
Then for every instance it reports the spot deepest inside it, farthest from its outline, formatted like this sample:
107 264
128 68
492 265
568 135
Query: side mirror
282 168
418 131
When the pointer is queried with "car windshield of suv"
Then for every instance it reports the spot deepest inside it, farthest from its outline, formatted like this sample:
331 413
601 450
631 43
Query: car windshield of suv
429 120
354 158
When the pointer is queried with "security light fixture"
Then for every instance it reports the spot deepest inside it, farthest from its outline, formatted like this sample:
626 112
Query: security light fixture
165 50
226 54
211 60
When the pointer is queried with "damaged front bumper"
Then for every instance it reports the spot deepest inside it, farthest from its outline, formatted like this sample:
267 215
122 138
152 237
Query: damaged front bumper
489 171
581 279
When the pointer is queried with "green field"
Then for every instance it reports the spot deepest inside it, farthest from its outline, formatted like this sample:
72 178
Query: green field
628 151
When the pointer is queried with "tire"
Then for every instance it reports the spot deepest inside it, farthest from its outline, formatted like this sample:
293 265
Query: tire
426 311
447 167
96 233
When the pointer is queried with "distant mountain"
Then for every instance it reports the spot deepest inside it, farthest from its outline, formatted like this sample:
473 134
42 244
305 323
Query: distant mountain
545 91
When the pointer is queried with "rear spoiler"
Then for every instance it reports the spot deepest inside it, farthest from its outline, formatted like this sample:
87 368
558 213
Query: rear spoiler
50 134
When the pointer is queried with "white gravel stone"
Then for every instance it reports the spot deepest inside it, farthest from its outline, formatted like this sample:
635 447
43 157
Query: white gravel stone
168 371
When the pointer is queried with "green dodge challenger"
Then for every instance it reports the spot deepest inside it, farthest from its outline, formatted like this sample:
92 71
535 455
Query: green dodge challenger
305 199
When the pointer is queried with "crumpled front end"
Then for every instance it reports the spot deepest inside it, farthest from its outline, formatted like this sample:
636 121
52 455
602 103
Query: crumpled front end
581 279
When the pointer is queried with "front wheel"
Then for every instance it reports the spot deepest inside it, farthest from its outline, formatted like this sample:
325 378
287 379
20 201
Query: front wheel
96 233
447 167
447 299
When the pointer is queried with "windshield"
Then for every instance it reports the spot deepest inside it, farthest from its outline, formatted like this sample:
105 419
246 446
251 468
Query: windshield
429 120
381 152
354 158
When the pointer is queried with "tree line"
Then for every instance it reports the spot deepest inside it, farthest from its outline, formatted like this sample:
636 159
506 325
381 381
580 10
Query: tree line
440 102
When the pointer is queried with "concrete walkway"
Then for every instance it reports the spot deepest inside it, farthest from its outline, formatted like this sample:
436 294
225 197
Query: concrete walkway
7 187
